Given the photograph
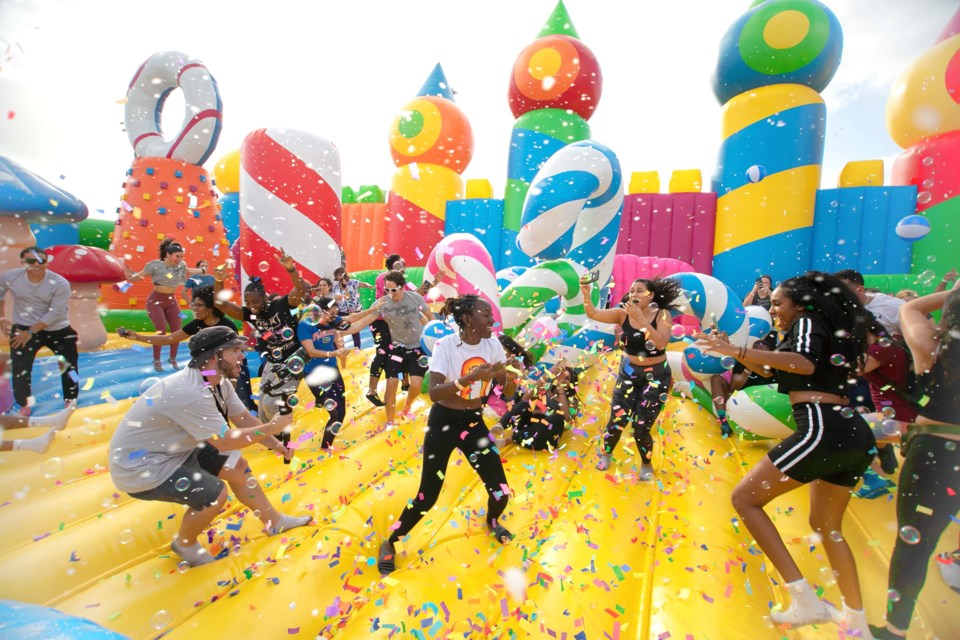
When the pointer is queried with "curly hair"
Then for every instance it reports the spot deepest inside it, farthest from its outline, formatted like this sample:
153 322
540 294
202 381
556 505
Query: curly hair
461 307
168 246
665 291
514 348
838 307
206 296
255 286
391 260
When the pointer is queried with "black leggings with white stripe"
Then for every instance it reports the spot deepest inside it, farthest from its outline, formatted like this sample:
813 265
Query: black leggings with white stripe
829 444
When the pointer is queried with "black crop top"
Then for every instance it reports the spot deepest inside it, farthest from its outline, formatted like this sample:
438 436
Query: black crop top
942 389
634 341
809 337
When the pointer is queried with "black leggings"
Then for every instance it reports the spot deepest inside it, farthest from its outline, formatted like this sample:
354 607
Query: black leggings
63 343
381 340
636 399
533 430
930 469
445 432
334 391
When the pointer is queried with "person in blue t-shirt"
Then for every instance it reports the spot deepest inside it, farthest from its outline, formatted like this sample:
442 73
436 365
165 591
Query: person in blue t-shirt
202 279
323 341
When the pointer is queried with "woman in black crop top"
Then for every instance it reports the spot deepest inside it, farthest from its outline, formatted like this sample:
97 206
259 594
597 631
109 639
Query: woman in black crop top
644 374
825 345
931 457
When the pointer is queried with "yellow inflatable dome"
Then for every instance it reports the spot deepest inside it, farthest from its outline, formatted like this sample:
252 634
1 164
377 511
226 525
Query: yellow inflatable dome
597 554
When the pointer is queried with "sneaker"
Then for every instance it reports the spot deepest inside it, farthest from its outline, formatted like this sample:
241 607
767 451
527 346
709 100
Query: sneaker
374 399
949 564
874 485
158 366
882 633
888 459
800 616
646 472
605 461
173 363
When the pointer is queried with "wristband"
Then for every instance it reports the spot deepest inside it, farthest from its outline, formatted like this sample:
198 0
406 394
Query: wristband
456 382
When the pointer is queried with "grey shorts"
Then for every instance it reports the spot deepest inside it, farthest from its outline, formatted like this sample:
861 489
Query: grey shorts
194 484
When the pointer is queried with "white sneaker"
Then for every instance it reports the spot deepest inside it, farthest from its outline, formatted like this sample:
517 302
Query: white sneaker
796 615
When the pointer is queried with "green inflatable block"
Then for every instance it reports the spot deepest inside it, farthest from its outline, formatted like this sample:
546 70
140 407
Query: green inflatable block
133 319
95 233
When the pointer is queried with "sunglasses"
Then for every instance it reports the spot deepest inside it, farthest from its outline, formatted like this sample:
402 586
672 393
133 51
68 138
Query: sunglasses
35 261
389 290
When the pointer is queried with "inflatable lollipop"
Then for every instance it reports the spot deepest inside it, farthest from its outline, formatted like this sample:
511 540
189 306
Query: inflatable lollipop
716 306
290 199
464 266
573 208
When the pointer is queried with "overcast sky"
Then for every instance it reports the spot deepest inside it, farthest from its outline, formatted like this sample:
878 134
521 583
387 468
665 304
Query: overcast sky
344 69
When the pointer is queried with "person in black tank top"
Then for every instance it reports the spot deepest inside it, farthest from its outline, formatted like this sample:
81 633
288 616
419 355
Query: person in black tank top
825 345
644 378
931 465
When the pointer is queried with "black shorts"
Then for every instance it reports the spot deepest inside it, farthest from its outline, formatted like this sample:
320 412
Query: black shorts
401 360
202 488
826 446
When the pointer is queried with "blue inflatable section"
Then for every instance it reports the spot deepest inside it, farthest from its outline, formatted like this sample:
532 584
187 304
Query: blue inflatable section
230 215
772 143
529 149
856 228
32 622
48 235
117 372
777 255
481 217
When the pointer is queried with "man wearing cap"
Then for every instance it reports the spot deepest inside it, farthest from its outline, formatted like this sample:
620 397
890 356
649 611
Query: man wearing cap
175 443
39 320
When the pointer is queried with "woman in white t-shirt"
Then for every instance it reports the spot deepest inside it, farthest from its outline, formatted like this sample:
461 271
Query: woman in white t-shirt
461 371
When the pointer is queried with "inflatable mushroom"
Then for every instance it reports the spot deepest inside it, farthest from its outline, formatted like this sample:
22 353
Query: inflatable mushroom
85 268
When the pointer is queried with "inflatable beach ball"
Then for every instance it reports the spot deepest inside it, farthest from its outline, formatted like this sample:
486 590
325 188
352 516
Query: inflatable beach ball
433 331
913 227
756 173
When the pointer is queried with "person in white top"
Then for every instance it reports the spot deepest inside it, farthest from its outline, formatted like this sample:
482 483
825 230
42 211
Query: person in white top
886 309
461 371
175 444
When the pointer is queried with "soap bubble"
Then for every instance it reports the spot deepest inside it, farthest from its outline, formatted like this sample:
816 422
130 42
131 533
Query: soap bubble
182 484
950 445
884 341
677 331
888 412
276 353
293 401
251 483
286 333
336 427
263 266
836 536
847 412
329 404
890 427
728 362
52 467
838 360
91 426
764 485
909 534
296 365
126 536
183 566
893 595
311 314
924 197
423 361
160 620
650 345
473 457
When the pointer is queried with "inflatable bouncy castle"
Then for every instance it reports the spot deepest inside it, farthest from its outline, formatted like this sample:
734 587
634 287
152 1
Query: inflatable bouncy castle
607 553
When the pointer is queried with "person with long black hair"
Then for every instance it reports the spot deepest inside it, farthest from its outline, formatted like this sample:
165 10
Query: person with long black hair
644 377
825 345
931 464
167 274
461 371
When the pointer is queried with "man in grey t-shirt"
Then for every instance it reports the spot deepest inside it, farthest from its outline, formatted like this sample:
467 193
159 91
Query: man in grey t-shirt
39 319
405 313
175 443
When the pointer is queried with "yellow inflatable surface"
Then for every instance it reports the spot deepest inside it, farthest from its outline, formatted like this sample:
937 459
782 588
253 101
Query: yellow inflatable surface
597 554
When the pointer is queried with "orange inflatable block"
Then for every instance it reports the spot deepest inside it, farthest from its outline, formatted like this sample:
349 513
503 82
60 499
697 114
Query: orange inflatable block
364 231
174 199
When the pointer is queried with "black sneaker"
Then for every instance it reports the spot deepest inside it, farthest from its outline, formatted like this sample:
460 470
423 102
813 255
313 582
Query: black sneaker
888 459
375 399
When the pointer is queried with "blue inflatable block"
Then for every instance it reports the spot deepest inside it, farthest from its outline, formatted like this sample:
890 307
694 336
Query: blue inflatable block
48 235
782 256
510 254
480 217
230 214
33 622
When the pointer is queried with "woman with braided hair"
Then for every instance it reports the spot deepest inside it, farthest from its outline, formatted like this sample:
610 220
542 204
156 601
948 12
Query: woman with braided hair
824 347
461 371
